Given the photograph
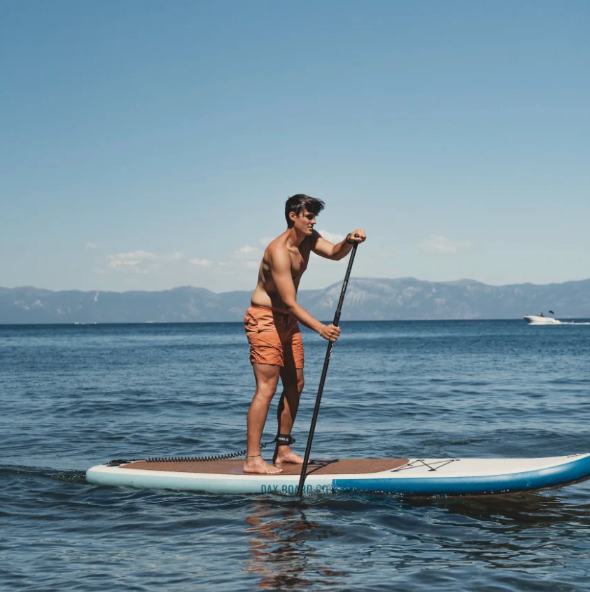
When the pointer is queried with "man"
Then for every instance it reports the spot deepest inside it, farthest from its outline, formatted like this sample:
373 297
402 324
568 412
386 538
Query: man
276 347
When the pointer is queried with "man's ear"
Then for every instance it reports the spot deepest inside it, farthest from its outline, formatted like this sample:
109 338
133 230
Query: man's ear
292 216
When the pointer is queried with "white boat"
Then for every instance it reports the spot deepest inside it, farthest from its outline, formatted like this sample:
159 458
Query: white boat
541 320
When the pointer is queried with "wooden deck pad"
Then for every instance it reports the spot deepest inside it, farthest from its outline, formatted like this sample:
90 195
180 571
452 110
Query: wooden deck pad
355 466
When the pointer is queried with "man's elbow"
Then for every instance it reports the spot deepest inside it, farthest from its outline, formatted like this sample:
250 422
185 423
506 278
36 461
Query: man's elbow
290 305
332 255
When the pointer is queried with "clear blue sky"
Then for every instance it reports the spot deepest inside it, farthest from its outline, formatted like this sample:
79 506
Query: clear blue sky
147 145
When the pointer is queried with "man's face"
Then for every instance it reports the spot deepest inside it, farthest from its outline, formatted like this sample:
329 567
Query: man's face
305 222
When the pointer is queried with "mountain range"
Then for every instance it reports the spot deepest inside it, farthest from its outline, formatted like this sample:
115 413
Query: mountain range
366 299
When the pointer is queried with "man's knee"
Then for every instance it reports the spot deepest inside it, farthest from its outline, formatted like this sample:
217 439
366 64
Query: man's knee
266 388
296 385
300 384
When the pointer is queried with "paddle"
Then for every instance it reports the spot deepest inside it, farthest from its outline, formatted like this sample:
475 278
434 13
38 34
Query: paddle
324 373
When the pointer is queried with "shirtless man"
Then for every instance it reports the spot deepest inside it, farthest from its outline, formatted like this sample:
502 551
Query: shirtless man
276 347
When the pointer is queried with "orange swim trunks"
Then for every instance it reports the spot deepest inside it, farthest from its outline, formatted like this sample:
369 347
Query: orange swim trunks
274 337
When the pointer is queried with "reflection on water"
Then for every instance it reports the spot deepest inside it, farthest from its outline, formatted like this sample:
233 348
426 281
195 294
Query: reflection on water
280 551
307 545
517 532
515 511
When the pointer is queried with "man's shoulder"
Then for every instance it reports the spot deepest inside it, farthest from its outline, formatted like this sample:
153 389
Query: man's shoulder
277 253
277 245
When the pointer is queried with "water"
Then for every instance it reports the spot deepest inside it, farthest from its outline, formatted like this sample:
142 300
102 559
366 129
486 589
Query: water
74 396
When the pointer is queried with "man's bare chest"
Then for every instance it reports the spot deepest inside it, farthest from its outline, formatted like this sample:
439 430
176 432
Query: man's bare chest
299 262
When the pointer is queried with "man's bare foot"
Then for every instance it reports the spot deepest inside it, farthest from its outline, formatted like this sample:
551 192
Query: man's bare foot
256 464
287 456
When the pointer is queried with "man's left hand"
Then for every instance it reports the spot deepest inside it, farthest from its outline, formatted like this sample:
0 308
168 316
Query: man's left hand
357 236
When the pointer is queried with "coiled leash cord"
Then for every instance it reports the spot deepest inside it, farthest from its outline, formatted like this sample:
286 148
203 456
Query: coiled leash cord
281 440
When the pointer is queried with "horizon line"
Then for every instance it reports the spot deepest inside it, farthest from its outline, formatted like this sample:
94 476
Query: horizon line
462 280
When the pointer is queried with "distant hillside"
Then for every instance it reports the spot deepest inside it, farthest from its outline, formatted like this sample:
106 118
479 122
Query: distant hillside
366 299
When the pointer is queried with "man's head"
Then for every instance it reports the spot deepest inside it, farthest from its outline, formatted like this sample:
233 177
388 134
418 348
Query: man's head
302 209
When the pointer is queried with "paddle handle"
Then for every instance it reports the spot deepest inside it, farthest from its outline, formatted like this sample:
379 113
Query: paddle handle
318 400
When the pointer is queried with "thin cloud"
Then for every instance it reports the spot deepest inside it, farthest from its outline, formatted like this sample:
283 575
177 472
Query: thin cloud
440 245
130 258
246 249
130 267
139 261
201 262
91 245
331 236
246 256
125 263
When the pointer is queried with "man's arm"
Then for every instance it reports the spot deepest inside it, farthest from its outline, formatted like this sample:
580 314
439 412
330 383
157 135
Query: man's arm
280 265
320 246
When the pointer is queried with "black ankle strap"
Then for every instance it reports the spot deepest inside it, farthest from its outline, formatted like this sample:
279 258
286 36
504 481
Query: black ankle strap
284 439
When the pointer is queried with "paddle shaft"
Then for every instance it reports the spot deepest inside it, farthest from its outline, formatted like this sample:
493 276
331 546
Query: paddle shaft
318 400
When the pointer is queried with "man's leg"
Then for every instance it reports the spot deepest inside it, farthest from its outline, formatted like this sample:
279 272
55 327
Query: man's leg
267 377
293 381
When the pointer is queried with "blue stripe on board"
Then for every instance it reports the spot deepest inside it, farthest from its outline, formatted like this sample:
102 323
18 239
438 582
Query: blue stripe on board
539 479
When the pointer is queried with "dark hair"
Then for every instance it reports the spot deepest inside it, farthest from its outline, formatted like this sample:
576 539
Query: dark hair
300 202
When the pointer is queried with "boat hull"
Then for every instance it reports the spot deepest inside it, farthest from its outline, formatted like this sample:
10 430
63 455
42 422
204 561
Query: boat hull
537 320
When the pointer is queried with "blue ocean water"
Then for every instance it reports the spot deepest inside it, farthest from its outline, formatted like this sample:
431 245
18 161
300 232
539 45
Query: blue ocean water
75 396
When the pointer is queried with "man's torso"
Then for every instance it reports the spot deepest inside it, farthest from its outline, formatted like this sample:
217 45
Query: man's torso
266 293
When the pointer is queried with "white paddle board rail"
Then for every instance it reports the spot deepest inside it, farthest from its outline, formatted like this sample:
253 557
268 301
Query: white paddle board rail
416 476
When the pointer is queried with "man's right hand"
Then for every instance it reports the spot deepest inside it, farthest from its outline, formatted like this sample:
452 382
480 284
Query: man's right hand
330 332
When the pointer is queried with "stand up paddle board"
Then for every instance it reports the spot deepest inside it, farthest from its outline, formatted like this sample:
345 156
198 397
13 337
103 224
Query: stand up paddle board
416 476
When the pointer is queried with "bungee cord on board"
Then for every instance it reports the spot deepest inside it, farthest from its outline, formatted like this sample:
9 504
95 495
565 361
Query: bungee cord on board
280 439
